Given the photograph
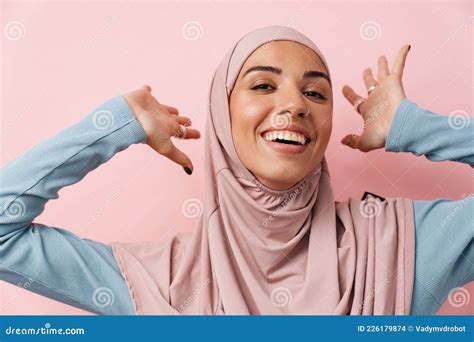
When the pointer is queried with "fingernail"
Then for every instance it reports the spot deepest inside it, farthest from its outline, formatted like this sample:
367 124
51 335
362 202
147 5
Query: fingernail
409 47
188 170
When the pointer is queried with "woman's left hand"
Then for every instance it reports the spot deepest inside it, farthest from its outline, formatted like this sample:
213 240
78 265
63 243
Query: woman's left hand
378 109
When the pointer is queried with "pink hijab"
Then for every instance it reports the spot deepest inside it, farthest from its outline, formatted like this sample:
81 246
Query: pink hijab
259 251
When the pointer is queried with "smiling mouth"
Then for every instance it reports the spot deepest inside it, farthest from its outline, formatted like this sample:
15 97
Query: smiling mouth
287 139
288 142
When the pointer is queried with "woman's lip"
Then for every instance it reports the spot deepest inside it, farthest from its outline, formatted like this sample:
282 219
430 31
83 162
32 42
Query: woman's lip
286 148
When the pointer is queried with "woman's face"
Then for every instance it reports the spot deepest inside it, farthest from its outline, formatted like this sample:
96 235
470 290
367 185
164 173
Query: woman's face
276 98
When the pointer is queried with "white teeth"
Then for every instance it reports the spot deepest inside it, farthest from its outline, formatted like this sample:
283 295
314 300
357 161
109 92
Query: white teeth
284 135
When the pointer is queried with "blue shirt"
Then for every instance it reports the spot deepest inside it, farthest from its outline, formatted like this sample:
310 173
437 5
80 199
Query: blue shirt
58 264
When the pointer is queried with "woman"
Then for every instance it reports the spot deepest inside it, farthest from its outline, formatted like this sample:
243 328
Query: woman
272 240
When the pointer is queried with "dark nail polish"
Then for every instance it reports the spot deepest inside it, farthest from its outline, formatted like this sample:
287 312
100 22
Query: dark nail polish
188 170
409 47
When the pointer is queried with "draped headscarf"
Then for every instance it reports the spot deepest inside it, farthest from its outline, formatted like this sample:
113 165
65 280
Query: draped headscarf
262 251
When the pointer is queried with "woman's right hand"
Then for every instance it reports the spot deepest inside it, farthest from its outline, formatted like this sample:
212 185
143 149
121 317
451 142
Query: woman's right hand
160 122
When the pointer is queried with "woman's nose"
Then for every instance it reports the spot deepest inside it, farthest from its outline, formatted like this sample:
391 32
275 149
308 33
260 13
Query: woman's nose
292 101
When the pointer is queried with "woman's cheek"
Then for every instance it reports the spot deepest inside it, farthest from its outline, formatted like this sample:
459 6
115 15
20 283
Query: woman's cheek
323 134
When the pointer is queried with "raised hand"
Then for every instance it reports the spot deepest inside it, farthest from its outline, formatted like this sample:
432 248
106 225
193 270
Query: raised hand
161 122
378 109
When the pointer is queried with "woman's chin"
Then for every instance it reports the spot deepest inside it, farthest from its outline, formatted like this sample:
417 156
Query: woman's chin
281 178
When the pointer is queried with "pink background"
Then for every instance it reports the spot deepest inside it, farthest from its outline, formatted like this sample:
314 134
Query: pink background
72 57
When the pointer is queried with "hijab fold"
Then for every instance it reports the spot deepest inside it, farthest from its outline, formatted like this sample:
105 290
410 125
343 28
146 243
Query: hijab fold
263 251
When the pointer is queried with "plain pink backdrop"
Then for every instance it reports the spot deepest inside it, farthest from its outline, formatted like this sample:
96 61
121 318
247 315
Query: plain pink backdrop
71 57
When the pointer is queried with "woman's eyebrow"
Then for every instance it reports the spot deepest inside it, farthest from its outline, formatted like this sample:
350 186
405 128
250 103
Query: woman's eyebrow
278 71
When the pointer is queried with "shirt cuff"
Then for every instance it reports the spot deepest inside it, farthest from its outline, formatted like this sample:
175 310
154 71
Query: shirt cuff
395 135
117 109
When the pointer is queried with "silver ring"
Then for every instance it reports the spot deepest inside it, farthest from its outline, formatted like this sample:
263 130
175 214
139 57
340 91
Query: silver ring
181 132
358 103
371 89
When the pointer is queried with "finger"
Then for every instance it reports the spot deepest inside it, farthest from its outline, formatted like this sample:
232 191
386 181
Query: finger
369 79
170 109
383 71
147 87
183 120
399 63
171 152
192 133
351 95
351 140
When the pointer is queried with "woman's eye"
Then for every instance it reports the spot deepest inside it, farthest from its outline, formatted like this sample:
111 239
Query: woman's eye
316 94
262 86
265 86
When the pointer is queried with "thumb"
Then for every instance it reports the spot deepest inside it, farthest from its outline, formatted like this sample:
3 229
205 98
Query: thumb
351 140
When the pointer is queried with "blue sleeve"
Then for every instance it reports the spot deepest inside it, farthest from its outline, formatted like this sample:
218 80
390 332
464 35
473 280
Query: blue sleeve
52 261
444 251
438 137
444 228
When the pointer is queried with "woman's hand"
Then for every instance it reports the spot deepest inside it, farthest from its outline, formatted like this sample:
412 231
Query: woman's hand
160 122
378 109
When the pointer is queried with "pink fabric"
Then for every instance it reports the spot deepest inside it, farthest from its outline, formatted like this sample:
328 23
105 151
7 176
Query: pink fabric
260 251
